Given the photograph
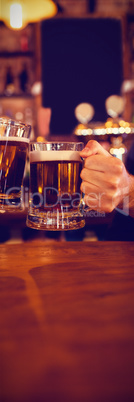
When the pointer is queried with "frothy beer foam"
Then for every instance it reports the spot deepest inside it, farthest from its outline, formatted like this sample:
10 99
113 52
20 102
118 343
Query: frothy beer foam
16 139
42 156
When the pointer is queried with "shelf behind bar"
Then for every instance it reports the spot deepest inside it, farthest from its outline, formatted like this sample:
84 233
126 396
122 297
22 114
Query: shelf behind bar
16 54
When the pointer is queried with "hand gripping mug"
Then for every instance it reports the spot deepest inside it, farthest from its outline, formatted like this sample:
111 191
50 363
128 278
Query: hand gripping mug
14 141
55 199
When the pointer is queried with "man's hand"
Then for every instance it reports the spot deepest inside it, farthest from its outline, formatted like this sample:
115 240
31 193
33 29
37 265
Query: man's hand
105 180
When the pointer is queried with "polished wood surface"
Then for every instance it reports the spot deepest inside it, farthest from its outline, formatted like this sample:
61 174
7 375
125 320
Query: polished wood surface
67 322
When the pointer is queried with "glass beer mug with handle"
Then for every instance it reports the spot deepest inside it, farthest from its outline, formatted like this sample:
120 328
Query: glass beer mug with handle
14 141
55 199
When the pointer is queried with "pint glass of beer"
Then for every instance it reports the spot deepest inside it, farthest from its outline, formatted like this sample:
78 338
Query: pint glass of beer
55 197
14 141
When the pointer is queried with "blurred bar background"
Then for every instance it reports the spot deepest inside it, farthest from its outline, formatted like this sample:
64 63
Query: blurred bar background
83 54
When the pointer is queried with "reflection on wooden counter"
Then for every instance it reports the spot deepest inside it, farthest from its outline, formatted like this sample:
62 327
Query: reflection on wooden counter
67 322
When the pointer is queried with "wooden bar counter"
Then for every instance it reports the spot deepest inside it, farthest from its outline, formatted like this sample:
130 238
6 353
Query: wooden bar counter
67 322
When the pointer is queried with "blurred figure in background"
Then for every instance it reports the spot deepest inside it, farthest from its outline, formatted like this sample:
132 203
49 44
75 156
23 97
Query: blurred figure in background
43 122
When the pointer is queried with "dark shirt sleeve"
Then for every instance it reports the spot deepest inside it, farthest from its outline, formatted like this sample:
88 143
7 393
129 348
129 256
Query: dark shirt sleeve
122 227
130 160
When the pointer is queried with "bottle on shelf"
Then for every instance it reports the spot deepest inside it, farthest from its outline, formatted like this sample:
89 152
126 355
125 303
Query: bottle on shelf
9 82
23 78
24 42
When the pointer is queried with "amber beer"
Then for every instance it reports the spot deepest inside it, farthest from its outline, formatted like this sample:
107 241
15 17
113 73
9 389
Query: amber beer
55 181
13 151
55 190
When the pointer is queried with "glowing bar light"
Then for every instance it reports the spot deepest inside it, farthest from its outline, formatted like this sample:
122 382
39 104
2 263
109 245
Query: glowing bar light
16 16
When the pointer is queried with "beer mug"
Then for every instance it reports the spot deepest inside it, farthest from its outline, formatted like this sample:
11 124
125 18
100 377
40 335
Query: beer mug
55 199
14 141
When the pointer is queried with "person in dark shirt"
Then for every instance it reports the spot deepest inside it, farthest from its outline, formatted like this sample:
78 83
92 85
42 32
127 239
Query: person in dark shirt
108 186
130 160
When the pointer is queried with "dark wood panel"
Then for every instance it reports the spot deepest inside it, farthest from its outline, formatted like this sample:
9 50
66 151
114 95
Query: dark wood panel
82 61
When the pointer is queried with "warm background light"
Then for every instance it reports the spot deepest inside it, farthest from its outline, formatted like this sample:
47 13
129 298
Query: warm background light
17 14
